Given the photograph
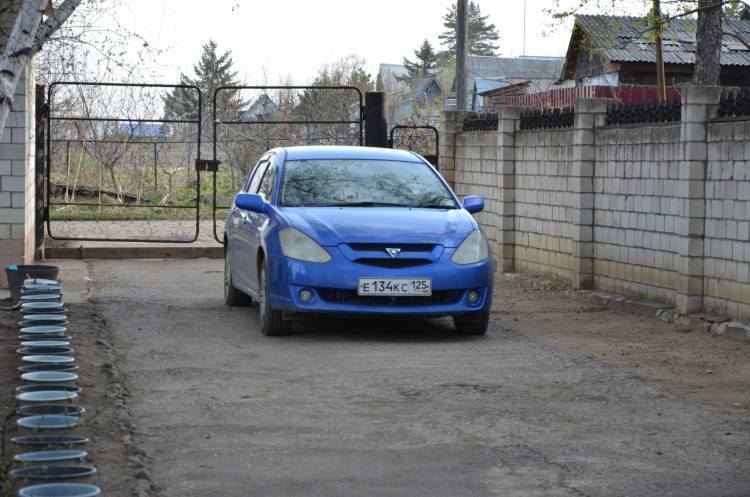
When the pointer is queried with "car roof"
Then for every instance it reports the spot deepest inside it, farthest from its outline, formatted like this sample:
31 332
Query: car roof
348 152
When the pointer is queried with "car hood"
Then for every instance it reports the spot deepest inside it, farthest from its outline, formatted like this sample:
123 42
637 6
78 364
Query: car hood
331 226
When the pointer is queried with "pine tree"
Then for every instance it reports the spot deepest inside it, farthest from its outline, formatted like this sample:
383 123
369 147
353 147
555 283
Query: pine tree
211 72
481 37
424 65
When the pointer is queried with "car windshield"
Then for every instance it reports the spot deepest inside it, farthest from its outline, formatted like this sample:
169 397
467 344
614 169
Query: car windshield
362 183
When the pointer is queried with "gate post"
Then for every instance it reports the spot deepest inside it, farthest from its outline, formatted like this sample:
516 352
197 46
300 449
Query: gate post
376 124
39 172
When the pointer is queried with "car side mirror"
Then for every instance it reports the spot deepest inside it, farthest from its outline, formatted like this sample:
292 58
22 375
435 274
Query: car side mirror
473 204
250 202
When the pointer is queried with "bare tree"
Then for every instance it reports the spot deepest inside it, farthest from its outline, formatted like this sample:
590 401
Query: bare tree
26 38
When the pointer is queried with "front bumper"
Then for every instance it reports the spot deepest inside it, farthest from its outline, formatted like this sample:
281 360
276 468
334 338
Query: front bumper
333 287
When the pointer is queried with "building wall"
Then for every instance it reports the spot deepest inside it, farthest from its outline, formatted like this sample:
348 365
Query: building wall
17 193
655 211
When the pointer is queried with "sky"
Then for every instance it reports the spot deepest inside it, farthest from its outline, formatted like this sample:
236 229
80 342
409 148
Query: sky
288 41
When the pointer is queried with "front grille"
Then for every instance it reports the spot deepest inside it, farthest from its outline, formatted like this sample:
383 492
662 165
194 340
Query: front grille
381 247
335 296
393 263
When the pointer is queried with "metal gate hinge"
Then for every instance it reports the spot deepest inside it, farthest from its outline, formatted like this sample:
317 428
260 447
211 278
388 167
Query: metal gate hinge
207 165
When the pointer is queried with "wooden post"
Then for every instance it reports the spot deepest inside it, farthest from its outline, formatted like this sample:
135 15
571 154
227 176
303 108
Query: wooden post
462 27
660 76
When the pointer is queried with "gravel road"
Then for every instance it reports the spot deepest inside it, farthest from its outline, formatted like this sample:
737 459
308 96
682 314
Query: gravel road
560 398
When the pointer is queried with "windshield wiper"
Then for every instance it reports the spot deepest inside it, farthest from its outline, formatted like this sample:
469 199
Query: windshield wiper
367 204
435 206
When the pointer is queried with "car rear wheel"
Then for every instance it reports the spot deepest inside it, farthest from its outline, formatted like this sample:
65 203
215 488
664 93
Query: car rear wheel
472 327
271 322
232 296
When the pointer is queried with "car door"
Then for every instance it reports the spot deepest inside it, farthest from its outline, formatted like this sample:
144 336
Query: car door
253 224
240 241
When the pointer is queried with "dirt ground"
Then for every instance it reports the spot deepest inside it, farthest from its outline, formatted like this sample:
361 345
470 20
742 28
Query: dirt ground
694 366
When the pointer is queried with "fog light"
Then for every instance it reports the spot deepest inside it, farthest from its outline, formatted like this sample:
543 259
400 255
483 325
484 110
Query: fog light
473 297
305 295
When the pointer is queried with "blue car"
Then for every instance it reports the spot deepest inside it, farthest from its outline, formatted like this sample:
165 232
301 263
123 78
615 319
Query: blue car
355 231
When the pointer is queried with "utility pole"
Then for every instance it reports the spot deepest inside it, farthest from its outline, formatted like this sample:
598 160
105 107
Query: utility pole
462 27
660 76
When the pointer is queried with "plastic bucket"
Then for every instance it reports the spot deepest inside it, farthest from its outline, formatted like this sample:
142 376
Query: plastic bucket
17 273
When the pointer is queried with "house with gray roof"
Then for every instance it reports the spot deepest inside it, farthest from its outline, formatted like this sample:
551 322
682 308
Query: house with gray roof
619 51
517 75
512 76
403 95
391 78
262 108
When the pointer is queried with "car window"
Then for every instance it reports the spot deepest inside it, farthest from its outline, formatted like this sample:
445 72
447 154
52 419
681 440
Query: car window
257 175
268 181
362 182
254 172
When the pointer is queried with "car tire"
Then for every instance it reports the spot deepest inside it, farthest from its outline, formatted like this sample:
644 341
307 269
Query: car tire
271 321
232 296
472 327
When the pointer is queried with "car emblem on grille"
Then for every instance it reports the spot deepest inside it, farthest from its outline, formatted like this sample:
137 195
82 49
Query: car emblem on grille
393 252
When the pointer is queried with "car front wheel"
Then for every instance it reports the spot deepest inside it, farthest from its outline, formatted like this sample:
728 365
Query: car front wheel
474 326
271 322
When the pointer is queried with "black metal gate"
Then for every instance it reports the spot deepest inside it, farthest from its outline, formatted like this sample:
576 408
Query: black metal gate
423 139
116 168
271 116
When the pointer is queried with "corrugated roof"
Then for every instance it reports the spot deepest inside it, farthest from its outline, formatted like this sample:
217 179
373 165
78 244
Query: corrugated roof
480 66
627 39
540 72
390 75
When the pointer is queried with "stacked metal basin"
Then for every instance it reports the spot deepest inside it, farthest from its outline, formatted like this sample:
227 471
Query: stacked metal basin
53 463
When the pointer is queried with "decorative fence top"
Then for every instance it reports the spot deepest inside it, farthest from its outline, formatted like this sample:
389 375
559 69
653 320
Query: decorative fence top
734 103
547 118
480 122
644 112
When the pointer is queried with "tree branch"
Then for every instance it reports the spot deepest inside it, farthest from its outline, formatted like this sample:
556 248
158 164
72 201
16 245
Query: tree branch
53 23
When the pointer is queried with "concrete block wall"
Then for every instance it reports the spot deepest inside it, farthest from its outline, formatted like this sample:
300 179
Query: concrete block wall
727 226
653 211
17 179
544 207
477 152
636 205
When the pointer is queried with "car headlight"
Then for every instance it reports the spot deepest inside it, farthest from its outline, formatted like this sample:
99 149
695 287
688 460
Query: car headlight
297 245
472 250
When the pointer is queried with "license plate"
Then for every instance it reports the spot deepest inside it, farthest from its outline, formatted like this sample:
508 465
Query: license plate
395 286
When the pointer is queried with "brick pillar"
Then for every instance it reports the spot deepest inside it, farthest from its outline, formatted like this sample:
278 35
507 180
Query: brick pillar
699 104
452 125
508 123
590 114
17 178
